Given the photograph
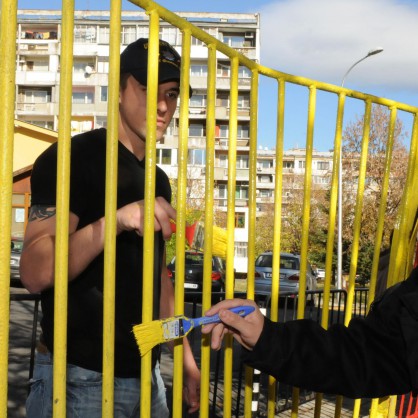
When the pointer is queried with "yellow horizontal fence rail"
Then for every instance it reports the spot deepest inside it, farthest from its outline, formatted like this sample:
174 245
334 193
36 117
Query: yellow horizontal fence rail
404 238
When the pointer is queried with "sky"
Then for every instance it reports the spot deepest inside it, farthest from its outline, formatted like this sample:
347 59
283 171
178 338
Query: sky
317 39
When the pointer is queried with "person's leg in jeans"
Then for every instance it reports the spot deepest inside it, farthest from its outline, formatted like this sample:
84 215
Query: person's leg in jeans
84 393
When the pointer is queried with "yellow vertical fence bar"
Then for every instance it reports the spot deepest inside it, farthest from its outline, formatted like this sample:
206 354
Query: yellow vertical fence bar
252 209
275 285
149 198
398 263
229 291
306 202
209 218
62 200
110 213
360 196
7 88
382 211
181 211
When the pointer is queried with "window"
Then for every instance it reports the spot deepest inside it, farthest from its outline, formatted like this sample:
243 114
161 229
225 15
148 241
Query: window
239 220
143 32
265 163
80 66
242 161
128 34
48 124
223 191
169 35
223 161
222 99
104 32
164 156
244 72
265 179
196 157
36 96
103 65
243 101
241 249
265 193
83 97
196 41
37 65
321 179
103 93
301 164
223 70
234 40
322 165
241 191
84 34
198 100
288 164
243 131
197 129
198 70
223 131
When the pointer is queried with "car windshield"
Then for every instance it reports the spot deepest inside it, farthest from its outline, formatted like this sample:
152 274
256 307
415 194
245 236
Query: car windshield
266 260
194 259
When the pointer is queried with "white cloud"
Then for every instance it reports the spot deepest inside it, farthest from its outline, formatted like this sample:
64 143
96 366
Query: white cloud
321 39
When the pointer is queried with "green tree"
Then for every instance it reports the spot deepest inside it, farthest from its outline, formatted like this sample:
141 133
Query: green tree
352 143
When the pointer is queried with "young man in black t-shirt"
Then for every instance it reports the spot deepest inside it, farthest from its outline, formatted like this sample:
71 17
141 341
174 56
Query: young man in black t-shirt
86 243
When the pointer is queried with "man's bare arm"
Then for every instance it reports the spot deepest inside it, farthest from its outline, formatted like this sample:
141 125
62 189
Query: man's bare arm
37 261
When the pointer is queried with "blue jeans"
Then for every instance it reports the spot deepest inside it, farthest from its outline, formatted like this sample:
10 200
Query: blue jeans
84 393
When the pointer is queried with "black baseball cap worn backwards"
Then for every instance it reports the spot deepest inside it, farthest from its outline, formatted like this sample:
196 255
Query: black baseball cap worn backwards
134 60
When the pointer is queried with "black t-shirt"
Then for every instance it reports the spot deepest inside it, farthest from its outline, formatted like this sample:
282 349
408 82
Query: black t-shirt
85 293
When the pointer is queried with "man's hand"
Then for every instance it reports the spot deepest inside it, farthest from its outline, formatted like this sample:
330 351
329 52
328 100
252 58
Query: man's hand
131 217
246 330
191 389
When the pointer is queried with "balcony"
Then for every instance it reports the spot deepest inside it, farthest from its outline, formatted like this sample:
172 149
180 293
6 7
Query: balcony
37 47
225 82
36 108
37 78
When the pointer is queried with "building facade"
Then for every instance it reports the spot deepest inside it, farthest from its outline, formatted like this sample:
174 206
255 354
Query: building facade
37 98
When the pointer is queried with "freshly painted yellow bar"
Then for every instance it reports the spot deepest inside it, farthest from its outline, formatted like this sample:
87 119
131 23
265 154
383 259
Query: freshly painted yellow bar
62 200
149 197
110 213
399 266
7 87
181 220
209 220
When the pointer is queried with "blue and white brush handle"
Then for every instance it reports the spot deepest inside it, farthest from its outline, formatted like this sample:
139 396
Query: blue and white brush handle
204 320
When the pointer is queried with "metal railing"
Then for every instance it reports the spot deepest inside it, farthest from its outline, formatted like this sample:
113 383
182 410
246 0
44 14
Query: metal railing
403 241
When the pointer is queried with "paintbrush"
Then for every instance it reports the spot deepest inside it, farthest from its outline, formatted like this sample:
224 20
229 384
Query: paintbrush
149 334
195 238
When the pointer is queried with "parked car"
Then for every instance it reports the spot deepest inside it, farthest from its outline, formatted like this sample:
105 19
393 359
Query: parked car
16 251
193 269
289 274
320 274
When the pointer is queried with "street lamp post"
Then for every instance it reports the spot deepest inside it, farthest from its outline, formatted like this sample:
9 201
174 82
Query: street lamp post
340 182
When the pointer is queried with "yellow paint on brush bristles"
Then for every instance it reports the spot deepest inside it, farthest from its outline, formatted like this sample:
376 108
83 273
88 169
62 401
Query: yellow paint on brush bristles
150 334
219 240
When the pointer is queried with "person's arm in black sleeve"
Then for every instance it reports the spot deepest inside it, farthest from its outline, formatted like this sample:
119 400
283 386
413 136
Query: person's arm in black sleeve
371 357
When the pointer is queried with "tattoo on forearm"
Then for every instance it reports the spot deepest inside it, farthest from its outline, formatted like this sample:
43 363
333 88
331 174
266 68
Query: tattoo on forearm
39 212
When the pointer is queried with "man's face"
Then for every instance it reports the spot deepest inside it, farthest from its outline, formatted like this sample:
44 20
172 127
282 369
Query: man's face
133 107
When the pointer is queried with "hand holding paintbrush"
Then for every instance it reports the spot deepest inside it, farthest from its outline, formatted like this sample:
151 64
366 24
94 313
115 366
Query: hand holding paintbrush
148 335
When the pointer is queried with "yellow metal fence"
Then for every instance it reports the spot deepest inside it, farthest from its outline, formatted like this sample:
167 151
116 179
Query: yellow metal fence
403 239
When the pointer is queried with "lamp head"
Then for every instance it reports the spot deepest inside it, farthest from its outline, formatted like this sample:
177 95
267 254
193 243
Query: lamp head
374 51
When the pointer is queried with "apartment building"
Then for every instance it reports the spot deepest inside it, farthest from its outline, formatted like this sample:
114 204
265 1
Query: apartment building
37 95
